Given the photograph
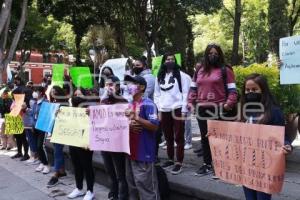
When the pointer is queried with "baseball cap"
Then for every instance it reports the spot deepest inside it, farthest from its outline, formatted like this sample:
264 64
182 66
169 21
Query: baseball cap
136 79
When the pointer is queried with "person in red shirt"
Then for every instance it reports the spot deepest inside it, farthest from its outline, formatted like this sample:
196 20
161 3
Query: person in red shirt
213 95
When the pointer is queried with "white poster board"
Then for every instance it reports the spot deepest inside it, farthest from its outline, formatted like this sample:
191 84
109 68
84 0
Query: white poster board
289 50
118 66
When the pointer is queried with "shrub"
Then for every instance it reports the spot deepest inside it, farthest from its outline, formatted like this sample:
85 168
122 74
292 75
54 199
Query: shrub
288 96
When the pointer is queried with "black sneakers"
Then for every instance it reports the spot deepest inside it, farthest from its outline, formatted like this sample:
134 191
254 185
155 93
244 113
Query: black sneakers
18 155
167 164
25 157
204 170
176 169
53 182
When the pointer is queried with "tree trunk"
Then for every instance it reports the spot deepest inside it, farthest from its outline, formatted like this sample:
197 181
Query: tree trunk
16 38
5 12
120 39
190 58
236 32
78 38
278 23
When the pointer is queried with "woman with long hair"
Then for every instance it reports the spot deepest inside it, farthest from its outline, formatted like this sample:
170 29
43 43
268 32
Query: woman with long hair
259 107
214 93
170 96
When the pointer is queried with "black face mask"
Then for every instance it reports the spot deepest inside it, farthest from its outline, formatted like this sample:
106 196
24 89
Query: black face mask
253 97
170 66
137 70
214 60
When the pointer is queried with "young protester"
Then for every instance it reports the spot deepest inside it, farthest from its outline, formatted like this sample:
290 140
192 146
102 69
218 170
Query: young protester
82 160
20 138
114 162
7 141
170 96
27 117
213 94
39 96
256 95
140 69
58 96
140 165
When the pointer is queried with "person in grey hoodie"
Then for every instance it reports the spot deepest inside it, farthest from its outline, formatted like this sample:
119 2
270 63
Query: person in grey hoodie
140 68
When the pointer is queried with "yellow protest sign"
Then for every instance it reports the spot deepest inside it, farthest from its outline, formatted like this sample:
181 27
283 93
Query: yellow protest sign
13 125
17 106
71 127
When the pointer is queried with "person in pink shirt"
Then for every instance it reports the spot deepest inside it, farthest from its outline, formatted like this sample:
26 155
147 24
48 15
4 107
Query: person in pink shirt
214 93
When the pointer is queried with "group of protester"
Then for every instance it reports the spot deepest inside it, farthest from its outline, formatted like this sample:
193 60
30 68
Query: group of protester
158 106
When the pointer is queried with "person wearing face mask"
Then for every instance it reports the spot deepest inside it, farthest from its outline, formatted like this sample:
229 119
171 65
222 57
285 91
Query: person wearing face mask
140 165
140 69
105 73
39 96
82 158
21 139
259 107
170 96
58 96
213 91
115 162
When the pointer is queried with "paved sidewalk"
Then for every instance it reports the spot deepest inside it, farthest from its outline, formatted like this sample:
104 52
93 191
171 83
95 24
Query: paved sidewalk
20 182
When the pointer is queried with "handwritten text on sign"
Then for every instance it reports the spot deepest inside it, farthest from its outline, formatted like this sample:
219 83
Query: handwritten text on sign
109 128
289 55
248 154
71 127
13 125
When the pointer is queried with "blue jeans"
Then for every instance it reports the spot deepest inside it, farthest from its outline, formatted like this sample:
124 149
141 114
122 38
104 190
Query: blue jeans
255 195
59 161
32 140
188 129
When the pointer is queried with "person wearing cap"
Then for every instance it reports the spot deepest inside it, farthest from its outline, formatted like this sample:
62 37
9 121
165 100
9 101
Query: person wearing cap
140 165
114 162
170 96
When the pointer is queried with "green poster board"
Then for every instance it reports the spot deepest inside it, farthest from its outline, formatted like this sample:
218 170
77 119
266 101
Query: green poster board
58 71
81 77
156 63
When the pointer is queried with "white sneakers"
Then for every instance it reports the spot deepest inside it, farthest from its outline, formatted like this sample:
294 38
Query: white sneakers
78 193
188 146
43 168
39 168
89 196
32 161
46 169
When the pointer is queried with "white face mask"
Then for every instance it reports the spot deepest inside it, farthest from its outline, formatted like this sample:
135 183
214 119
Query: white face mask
35 95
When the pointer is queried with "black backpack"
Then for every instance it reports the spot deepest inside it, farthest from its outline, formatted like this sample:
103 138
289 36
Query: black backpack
163 183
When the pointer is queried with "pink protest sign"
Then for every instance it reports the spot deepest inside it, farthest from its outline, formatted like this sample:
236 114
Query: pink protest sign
248 154
109 128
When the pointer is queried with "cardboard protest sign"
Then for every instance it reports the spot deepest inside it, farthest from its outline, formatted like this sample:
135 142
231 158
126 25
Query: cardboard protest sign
13 125
81 77
156 63
109 128
289 50
17 105
58 72
248 154
46 116
1 124
71 127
